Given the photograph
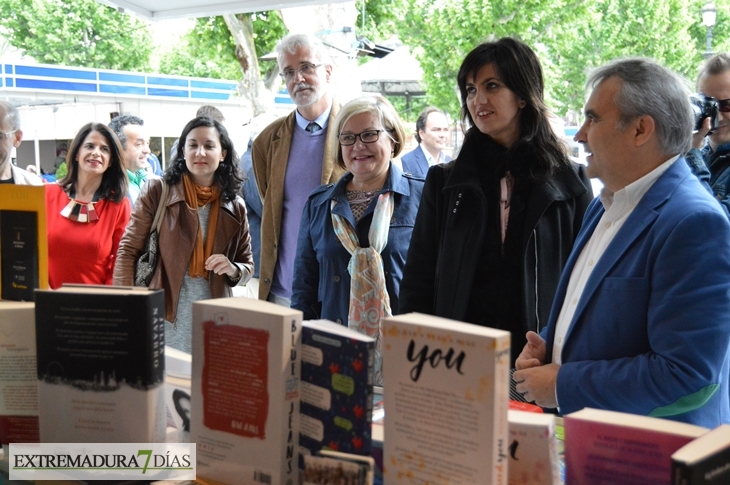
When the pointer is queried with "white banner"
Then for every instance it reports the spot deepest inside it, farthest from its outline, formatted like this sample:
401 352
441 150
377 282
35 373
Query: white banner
102 461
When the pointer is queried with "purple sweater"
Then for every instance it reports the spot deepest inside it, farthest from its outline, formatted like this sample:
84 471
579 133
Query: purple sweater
303 175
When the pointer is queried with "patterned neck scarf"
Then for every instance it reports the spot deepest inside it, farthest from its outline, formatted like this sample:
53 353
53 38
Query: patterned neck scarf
198 196
369 299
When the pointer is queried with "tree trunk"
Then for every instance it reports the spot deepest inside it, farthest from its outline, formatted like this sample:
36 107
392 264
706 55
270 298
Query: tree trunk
252 88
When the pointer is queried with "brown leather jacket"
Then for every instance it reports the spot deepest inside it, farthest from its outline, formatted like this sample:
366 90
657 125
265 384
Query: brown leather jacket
177 239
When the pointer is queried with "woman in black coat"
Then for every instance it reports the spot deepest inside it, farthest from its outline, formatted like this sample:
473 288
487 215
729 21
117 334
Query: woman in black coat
496 225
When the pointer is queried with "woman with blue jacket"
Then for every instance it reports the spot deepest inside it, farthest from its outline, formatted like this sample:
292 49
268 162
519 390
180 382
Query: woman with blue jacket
354 235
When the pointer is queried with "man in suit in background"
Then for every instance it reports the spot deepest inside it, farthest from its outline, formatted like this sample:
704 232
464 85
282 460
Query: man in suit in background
641 317
432 129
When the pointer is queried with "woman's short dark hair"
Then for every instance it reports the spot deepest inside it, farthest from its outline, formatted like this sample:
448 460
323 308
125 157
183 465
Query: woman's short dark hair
227 175
114 180
519 69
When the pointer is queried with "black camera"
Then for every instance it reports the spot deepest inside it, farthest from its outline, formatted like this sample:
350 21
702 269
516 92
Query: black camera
704 107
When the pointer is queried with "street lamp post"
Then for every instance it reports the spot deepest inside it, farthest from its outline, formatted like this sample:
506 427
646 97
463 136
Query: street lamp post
709 15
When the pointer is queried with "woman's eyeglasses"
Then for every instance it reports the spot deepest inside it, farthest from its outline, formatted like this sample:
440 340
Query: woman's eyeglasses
369 136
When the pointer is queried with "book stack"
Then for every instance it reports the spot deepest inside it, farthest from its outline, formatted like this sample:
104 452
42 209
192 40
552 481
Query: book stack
245 391
446 394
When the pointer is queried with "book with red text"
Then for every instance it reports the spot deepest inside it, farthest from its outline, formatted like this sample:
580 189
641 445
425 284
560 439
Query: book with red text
245 391
336 389
101 364
446 395
613 448
704 461
18 374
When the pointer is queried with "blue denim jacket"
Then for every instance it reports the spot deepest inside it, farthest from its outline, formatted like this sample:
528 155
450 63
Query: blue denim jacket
321 281
713 170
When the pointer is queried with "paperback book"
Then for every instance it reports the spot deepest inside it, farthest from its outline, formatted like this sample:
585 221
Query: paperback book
245 391
101 364
533 449
18 376
613 448
446 393
336 389
23 241
705 460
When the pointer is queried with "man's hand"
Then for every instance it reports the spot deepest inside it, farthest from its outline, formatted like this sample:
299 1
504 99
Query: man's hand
698 139
538 384
533 354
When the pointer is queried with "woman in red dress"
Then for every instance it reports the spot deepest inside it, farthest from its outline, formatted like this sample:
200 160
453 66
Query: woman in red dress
87 210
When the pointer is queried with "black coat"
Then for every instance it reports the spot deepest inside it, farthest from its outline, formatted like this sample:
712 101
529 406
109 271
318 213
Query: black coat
451 229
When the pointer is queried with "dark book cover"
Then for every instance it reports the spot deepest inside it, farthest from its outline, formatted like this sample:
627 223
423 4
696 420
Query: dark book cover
704 461
19 246
100 353
713 470
336 389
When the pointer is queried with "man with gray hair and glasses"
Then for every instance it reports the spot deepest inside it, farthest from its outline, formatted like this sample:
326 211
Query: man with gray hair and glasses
293 156
640 321
10 137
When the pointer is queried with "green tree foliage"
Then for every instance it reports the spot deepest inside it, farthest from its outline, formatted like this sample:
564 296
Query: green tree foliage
569 36
209 49
76 33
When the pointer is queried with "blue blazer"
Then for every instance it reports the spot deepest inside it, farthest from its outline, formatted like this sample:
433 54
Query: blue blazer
321 287
415 162
651 331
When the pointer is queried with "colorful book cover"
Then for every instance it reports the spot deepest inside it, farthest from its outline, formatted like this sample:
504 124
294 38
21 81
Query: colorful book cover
245 391
18 374
612 448
336 389
101 364
446 394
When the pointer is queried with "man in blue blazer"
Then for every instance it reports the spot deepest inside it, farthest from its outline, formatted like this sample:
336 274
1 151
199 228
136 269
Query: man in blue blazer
432 129
641 317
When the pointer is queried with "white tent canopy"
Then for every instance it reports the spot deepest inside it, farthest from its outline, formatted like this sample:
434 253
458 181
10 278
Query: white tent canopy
168 9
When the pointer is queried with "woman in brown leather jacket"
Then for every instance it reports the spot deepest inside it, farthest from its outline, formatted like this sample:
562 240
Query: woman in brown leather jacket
204 243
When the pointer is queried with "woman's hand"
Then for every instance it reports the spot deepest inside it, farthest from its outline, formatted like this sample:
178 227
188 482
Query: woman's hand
219 264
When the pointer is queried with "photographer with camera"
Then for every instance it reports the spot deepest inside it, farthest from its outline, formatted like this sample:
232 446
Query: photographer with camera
709 157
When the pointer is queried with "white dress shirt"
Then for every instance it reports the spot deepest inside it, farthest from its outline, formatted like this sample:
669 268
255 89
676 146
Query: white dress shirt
618 207
429 158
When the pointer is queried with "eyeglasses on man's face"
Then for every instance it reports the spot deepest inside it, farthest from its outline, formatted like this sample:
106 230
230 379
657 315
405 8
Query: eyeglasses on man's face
5 136
369 136
305 70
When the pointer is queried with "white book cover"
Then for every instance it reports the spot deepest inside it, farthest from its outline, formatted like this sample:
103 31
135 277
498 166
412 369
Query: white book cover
533 449
100 353
446 396
245 391
18 374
